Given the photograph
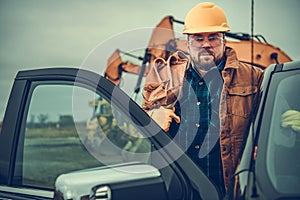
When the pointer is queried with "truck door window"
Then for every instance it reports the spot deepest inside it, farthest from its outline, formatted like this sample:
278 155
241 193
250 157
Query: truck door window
64 133
283 165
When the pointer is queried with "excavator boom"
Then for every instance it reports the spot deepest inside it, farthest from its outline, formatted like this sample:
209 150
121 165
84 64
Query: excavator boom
163 43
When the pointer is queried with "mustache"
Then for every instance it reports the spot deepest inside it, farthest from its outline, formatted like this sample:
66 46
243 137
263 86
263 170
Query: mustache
206 51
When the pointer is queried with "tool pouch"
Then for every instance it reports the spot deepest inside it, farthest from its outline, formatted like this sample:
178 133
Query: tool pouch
164 81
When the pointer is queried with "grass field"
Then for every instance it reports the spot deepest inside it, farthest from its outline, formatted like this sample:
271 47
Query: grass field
50 152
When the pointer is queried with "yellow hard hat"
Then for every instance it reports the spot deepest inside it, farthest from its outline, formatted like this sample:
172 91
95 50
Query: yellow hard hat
205 17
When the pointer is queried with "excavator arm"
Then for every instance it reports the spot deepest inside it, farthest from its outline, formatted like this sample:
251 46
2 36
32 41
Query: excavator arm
163 43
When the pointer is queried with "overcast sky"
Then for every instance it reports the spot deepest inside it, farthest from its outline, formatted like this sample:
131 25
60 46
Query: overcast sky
37 33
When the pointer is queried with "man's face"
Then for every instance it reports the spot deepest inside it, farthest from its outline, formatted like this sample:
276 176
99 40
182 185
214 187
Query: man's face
206 49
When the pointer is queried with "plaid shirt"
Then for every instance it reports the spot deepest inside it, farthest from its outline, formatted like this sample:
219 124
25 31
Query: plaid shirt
198 132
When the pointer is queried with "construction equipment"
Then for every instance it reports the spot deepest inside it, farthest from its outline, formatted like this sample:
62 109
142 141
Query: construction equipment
163 43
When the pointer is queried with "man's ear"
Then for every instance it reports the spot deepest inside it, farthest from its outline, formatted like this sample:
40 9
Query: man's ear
224 43
187 43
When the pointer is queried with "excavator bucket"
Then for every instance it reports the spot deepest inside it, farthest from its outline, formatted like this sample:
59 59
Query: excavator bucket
132 68
113 71
115 67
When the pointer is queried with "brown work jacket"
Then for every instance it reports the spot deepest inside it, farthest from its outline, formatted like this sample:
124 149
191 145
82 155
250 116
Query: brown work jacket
241 83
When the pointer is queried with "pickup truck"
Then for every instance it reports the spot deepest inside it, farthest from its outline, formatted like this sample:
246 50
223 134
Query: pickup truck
69 133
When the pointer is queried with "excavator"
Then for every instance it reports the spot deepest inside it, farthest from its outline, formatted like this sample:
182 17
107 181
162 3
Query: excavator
164 43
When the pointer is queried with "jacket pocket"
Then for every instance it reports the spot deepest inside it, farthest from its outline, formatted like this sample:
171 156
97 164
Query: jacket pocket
240 105
243 91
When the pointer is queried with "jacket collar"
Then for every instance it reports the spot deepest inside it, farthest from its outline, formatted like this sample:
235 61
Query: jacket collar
232 60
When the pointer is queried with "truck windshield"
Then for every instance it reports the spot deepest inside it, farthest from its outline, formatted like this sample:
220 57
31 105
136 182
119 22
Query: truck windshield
283 163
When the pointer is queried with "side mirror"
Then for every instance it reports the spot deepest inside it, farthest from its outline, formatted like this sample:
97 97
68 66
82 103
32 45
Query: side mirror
123 181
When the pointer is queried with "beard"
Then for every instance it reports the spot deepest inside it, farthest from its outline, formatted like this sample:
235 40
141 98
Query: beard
205 60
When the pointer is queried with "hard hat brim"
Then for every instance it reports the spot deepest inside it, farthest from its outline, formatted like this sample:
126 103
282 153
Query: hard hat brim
206 30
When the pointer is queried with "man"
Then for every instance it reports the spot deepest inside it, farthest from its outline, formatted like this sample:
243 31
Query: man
216 98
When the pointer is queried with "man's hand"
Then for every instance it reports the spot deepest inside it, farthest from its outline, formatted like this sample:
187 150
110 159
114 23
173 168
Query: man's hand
291 118
163 117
